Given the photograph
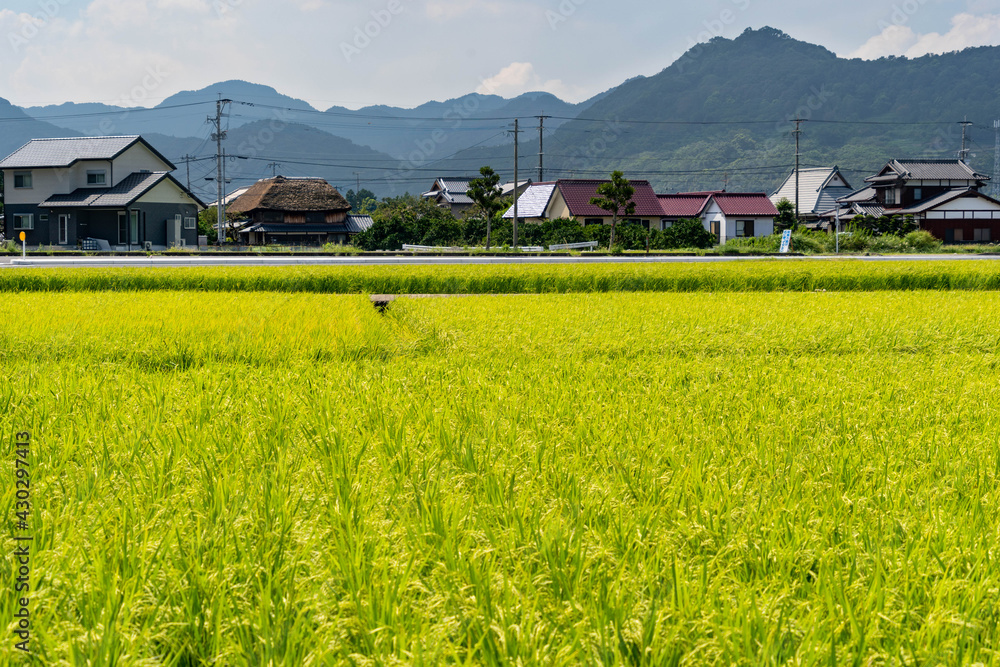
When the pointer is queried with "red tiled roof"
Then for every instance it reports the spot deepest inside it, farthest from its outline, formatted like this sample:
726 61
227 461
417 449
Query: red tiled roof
684 205
745 203
578 194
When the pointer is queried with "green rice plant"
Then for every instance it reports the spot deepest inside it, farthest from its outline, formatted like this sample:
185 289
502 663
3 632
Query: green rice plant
706 478
757 276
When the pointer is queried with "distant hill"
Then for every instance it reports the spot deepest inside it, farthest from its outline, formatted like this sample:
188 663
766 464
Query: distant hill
18 128
180 115
469 120
294 150
719 116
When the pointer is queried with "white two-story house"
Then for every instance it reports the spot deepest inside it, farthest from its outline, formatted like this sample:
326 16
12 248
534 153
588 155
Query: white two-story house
60 192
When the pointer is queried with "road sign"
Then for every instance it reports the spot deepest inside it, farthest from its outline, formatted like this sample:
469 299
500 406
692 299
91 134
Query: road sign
786 242
23 237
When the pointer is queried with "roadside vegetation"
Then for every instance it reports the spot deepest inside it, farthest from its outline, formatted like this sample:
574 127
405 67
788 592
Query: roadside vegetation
763 275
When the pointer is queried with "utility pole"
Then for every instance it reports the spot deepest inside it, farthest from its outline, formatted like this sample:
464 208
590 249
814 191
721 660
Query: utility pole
996 163
798 134
963 155
541 148
218 136
274 168
517 134
187 161
358 174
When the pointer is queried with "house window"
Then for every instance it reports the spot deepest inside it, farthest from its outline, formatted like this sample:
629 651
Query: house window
983 235
744 228
22 180
190 223
122 228
666 224
24 221
97 178
716 230
43 217
587 222
63 229
918 194
890 197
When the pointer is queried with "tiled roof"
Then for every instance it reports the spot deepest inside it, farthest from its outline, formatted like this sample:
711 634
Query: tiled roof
684 205
578 194
457 186
873 209
745 203
359 223
125 193
533 202
815 195
508 188
934 202
862 195
927 170
43 153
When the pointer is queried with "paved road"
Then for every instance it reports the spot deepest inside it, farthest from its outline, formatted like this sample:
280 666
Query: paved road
161 261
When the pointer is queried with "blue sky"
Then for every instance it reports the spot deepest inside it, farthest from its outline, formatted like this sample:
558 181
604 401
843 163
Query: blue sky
405 52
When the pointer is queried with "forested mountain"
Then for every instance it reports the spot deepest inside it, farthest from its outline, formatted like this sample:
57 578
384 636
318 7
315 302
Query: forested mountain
720 116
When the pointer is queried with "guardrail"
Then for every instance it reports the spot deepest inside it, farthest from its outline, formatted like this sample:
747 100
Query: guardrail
531 248
586 245
428 248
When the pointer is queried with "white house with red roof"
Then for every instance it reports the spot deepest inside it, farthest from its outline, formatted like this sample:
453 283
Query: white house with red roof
569 198
728 215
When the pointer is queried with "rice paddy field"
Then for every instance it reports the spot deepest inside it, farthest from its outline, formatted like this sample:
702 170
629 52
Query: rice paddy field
244 468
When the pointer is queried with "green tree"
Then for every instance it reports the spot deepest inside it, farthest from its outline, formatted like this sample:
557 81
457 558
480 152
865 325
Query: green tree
615 198
486 191
689 233
362 202
409 220
786 216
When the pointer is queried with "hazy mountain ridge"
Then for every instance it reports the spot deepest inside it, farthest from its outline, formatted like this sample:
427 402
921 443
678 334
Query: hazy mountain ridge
717 117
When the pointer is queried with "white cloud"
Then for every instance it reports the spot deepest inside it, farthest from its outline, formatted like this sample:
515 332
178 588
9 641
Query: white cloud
966 31
519 78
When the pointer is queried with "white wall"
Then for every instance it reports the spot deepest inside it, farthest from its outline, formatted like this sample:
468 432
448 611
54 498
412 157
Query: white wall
137 158
167 192
48 182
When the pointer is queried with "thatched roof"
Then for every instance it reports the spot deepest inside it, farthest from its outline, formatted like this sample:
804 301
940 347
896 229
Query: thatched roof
290 194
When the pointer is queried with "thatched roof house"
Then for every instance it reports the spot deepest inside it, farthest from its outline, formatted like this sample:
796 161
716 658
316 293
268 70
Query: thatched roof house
294 211
290 195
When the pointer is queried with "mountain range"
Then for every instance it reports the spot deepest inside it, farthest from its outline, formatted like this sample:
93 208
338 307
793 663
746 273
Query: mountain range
721 116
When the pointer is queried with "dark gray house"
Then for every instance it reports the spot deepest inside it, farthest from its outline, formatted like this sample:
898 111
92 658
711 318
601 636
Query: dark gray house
115 189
